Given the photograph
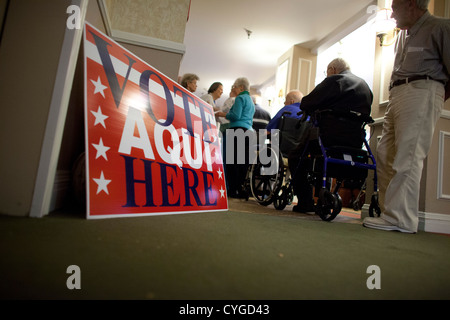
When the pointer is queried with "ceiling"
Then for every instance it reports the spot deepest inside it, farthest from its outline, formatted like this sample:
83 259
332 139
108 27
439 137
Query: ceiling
218 47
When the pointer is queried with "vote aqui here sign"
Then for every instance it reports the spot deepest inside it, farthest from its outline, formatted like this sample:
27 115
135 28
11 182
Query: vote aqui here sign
152 147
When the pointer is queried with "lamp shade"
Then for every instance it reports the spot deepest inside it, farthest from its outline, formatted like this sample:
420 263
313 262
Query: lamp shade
383 22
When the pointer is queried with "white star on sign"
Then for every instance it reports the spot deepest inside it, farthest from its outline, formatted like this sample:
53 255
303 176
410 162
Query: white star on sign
102 183
99 117
222 192
99 87
219 172
101 149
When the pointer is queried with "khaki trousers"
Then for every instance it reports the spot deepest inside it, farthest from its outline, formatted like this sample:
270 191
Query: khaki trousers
408 128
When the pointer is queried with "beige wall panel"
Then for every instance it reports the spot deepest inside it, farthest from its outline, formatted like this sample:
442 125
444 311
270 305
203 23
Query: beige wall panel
164 20
94 16
29 55
438 170
304 75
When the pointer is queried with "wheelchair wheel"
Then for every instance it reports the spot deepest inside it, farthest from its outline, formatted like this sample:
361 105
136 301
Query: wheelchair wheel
283 198
374 206
356 205
266 179
328 205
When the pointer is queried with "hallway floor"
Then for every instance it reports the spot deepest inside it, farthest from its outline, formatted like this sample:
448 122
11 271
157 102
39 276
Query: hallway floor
247 253
346 215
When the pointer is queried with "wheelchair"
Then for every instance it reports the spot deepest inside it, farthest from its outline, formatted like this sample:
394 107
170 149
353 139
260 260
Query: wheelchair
328 167
268 177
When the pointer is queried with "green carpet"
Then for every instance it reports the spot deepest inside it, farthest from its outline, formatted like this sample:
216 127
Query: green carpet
219 255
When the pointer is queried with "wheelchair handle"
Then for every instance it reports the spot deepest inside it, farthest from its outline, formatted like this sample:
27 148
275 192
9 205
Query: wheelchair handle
365 118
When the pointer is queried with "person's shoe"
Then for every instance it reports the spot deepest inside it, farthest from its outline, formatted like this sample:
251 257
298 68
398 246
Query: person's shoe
381 224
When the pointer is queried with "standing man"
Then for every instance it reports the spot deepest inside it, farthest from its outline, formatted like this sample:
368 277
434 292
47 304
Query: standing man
419 87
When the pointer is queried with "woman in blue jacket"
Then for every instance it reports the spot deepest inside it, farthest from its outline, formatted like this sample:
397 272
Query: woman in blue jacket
241 120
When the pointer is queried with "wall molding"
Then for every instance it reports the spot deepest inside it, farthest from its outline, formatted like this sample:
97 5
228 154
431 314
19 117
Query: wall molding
148 42
105 16
51 146
377 121
440 176
308 66
445 114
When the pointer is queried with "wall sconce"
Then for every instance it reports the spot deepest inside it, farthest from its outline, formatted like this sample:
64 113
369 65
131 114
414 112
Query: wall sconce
383 37
384 26
270 94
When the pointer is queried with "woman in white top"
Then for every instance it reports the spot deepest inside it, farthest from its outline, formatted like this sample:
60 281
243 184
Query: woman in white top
215 92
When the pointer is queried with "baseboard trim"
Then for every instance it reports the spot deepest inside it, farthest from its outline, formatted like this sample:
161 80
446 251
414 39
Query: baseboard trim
434 222
428 221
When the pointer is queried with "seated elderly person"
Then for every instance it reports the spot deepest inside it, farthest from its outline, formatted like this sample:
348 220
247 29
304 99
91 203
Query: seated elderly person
341 92
287 120
291 106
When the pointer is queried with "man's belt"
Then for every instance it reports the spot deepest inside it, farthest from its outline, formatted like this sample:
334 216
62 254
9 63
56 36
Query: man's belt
411 79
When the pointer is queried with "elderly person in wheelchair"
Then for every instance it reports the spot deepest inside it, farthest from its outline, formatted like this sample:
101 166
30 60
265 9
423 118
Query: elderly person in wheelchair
339 106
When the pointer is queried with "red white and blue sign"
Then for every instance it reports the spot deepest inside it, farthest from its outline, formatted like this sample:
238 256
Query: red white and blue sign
152 147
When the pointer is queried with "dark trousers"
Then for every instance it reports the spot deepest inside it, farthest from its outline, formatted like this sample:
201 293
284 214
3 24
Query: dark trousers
299 167
236 172
300 164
